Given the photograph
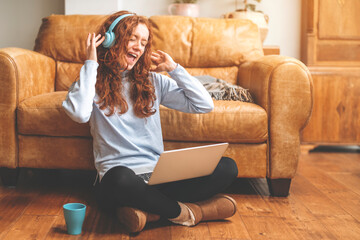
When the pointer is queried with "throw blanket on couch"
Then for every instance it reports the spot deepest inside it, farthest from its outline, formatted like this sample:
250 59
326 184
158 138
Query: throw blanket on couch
222 90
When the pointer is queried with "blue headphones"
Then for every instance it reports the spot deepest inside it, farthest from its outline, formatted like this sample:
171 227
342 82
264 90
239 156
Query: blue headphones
110 35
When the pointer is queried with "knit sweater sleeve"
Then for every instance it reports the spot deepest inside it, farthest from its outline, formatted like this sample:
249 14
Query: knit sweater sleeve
183 92
78 104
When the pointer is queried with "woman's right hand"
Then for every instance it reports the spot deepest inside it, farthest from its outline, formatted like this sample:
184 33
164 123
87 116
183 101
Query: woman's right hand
92 43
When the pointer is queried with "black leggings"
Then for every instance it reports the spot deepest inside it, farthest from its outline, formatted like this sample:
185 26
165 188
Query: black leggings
120 186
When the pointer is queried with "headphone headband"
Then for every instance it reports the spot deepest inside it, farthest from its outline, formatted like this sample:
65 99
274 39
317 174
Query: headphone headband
117 20
110 35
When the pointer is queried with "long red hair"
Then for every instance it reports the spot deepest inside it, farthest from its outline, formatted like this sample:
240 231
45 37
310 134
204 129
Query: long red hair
112 63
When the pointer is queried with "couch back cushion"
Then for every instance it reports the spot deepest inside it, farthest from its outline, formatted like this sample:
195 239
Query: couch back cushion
204 46
67 73
207 42
63 37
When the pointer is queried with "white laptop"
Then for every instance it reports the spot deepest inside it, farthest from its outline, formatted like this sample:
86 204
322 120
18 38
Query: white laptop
181 164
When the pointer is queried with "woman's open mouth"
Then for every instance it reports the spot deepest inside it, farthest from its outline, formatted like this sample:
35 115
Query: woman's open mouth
132 57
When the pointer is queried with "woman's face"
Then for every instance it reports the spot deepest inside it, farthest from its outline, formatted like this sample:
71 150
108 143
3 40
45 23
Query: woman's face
136 45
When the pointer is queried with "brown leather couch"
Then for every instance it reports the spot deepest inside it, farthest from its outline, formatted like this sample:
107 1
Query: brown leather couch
263 136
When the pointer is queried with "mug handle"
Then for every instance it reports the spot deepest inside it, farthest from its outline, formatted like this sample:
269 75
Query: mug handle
170 9
228 15
266 18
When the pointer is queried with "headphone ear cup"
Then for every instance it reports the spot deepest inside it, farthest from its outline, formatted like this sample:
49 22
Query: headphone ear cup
109 40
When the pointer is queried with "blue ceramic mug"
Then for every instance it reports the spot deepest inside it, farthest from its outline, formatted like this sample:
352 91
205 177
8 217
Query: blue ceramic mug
74 214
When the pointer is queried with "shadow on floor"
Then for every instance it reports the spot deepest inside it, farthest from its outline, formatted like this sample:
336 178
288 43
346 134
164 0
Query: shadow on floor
336 149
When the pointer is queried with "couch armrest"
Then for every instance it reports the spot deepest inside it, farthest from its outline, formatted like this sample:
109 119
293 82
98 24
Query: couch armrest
23 74
283 87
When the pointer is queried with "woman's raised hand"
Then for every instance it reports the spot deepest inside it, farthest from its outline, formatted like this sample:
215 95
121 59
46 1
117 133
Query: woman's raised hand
91 44
163 62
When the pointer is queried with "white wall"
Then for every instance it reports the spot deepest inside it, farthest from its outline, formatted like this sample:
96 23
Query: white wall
284 25
142 7
91 6
20 20
284 18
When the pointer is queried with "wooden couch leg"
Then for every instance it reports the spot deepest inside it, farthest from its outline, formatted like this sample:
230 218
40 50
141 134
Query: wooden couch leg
279 187
9 176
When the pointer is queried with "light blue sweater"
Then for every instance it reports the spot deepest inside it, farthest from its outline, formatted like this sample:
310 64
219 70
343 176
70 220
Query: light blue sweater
127 140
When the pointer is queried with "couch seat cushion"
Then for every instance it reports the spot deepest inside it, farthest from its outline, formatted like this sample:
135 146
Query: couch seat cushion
231 121
44 115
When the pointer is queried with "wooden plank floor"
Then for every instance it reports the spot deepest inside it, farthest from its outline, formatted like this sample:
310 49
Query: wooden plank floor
324 203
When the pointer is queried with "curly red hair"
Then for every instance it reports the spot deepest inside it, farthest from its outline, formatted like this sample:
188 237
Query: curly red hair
112 63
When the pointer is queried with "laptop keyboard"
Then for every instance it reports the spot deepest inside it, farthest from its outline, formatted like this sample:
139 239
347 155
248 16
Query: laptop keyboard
145 176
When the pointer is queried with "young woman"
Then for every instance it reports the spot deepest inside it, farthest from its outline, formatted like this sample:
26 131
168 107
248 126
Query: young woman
120 97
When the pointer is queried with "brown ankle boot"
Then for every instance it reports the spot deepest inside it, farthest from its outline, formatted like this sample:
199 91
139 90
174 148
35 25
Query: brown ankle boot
216 208
134 219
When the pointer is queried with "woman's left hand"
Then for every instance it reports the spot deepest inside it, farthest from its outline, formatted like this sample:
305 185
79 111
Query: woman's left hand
163 62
